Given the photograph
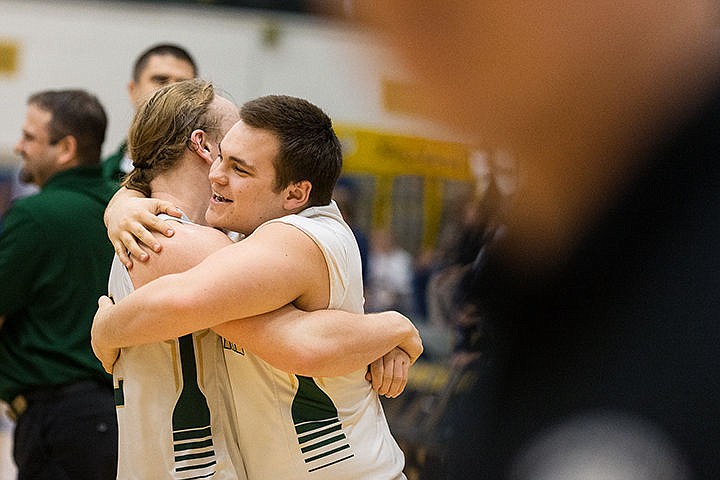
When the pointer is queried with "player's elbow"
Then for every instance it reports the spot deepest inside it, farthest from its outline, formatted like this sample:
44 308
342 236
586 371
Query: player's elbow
398 323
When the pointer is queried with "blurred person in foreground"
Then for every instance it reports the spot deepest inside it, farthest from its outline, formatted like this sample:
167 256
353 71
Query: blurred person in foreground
604 290
159 65
54 262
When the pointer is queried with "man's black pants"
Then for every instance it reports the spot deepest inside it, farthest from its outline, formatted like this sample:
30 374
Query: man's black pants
67 433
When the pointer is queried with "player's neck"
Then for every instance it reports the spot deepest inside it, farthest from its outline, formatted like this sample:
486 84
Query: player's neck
191 199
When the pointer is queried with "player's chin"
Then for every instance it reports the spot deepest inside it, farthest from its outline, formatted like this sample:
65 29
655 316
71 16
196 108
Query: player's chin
213 216
217 220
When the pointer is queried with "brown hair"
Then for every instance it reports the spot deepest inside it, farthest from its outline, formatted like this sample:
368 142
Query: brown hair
309 148
162 49
78 114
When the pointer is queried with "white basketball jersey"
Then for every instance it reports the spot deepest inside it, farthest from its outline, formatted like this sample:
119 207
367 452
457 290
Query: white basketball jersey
175 414
294 427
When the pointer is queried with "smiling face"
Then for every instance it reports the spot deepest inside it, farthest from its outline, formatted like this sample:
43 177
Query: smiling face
243 181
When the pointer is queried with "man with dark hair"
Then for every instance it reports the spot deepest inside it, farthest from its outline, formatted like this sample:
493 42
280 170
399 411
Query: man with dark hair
156 67
272 181
51 278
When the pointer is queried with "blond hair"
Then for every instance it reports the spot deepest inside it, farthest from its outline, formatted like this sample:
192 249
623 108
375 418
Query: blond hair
161 129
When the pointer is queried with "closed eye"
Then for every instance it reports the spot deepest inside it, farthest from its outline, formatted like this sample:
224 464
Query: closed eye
240 169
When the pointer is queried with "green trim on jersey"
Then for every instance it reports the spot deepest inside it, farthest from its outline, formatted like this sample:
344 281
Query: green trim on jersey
316 419
192 435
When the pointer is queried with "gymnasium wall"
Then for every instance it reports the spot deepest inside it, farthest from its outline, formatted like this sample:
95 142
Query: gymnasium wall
92 44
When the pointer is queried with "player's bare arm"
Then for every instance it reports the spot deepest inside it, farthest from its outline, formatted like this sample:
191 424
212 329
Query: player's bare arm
188 247
332 343
273 267
322 343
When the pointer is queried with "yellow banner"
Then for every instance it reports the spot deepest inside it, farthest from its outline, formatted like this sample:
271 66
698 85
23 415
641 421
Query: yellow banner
383 153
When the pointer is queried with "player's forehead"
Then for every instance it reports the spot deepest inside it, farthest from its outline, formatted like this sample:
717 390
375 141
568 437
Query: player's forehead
36 121
168 67
250 145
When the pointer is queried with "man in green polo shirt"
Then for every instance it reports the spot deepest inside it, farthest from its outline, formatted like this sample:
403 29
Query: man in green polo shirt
54 263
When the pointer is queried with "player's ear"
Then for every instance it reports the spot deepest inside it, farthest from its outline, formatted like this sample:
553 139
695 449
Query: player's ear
297 195
67 150
134 93
199 144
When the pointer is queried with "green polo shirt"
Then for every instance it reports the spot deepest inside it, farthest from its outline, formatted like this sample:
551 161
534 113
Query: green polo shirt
111 165
54 264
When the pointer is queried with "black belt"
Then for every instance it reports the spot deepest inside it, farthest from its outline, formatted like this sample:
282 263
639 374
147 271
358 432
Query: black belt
44 394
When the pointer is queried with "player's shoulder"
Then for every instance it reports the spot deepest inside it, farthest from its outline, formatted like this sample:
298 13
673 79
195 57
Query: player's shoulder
190 237
190 245
278 232
293 241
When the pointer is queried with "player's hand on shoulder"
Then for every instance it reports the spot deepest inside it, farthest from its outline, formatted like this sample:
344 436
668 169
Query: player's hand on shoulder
130 221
